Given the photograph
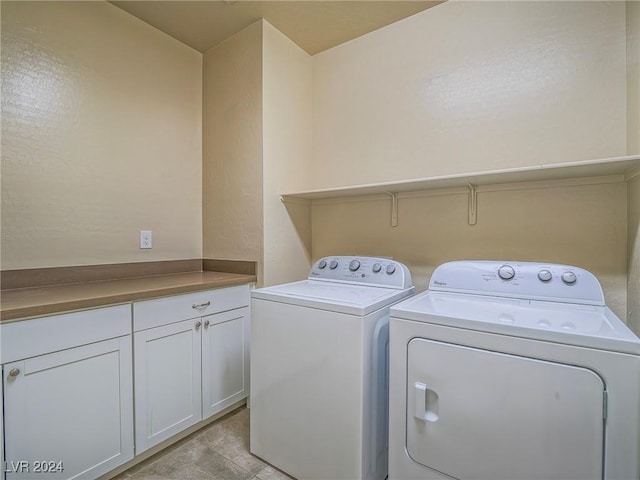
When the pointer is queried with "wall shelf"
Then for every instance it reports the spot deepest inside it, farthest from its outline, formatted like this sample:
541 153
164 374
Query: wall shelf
627 167
615 169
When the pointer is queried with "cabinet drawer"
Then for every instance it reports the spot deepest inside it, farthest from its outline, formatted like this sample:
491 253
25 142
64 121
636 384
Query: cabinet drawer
162 311
38 336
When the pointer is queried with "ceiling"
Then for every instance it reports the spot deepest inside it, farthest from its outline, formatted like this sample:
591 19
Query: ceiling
314 25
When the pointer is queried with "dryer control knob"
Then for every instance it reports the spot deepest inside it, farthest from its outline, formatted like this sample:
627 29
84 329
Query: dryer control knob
506 272
390 269
322 264
569 277
376 267
333 265
354 265
545 275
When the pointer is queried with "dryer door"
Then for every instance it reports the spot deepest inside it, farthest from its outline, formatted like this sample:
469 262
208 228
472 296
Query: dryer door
477 414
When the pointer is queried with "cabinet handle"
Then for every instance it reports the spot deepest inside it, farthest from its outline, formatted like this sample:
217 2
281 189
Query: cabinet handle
198 325
14 372
201 305
206 324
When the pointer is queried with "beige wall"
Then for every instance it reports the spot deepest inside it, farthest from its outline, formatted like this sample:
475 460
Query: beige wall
256 144
587 228
101 137
287 125
469 86
232 148
472 86
633 242
633 142
633 77
129 129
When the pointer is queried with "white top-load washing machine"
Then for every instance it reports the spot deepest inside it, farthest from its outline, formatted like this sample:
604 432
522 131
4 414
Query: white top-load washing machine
319 369
504 371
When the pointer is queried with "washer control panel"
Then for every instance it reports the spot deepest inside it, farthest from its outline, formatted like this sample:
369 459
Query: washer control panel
527 280
375 271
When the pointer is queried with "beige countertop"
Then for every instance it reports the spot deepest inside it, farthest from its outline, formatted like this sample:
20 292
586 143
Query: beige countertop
20 303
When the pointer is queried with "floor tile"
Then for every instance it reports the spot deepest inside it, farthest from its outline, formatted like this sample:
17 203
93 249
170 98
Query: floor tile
270 473
230 438
219 451
194 460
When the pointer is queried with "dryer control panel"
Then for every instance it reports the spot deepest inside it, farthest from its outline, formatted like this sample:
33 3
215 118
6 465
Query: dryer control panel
374 271
526 280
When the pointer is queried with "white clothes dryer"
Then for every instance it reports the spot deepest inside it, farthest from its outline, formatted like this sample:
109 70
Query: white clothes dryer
504 371
319 369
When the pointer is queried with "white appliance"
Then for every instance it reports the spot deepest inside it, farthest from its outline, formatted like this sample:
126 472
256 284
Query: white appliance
319 371
512 371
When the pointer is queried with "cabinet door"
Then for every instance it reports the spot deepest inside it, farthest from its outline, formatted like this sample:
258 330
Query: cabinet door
167 381
225 359
1 434
72 408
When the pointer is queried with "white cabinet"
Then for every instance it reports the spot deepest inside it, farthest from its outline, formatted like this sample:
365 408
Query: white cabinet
167 382
68 412
225 360
190 360
67 389
1 436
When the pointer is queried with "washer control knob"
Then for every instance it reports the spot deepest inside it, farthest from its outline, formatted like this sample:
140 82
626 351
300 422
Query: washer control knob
569 277
376 267
354 265
506 272
322 264
544 275
333 265
390 269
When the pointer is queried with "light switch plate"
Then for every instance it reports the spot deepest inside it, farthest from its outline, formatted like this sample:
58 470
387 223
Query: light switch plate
146 239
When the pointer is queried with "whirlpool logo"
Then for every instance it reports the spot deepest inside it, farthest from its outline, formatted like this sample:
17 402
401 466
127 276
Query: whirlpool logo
440 284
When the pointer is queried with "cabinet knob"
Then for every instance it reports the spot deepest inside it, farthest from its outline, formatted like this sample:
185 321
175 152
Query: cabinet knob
14 372
206 324
198 325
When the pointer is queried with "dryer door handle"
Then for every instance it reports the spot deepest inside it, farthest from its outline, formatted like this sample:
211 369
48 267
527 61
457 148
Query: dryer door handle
426 403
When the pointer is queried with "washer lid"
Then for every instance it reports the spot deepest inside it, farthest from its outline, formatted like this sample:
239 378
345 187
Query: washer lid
572 324
335 297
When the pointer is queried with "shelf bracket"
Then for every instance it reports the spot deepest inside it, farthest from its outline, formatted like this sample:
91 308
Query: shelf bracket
473 203
394 208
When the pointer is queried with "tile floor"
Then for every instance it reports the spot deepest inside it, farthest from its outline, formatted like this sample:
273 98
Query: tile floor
220 451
